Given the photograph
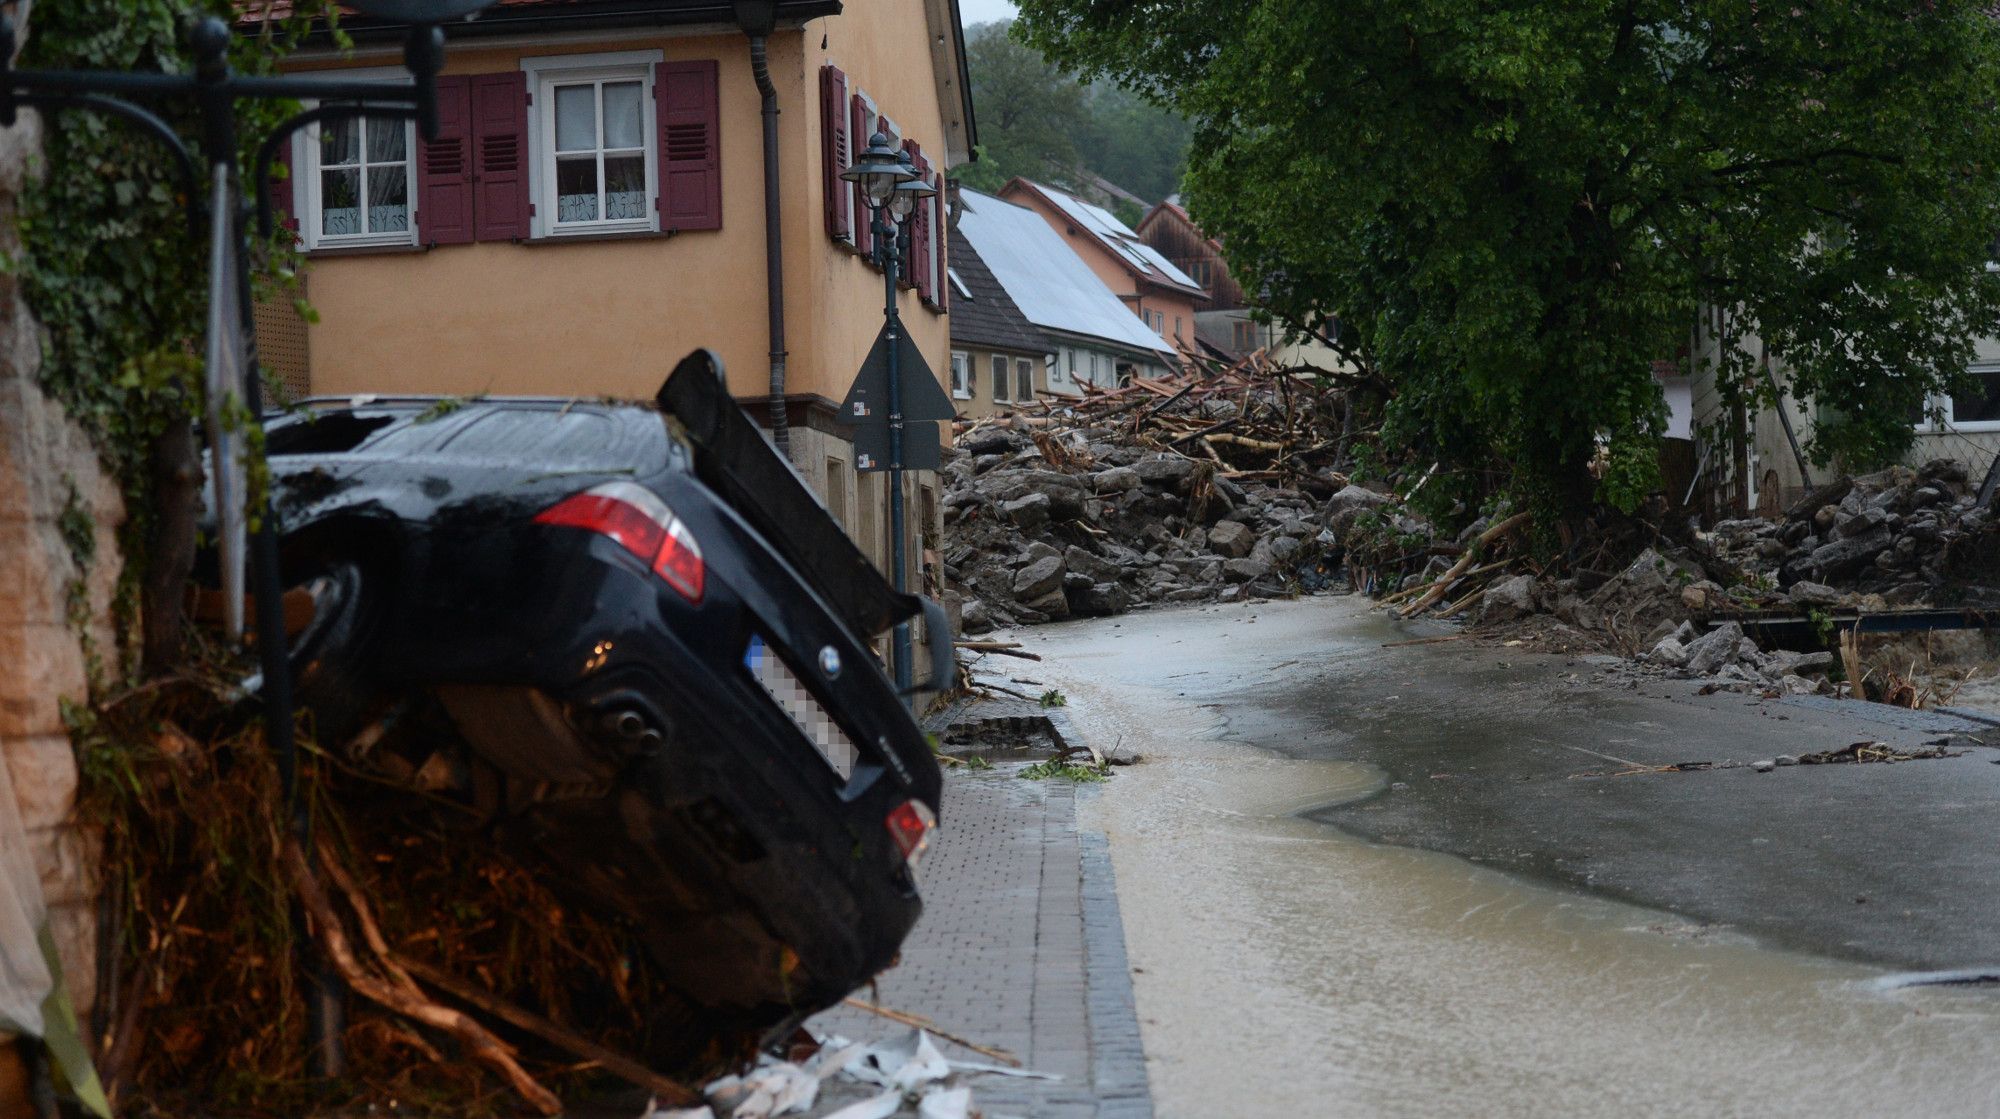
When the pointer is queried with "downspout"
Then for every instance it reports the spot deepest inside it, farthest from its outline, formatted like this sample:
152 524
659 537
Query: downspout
757 18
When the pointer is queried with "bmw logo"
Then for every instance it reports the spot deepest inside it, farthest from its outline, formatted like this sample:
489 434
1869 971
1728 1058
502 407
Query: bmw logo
829 661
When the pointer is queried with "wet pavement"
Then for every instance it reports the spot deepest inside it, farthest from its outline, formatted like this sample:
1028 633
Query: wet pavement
1360 880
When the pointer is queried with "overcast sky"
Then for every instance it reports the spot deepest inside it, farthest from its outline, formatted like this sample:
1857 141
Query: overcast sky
984 11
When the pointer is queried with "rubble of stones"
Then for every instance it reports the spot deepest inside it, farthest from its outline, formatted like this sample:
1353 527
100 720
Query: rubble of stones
1117 526
1900 538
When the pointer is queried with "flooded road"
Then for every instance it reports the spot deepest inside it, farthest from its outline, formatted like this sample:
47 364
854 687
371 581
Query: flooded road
1285 965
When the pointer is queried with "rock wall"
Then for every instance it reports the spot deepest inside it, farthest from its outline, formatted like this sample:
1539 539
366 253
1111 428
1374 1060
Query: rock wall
47 468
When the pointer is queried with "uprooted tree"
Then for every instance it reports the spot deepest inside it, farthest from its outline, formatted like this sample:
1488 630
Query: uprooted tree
1516 209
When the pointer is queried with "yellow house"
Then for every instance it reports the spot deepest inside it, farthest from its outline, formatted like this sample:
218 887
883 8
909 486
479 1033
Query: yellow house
617 183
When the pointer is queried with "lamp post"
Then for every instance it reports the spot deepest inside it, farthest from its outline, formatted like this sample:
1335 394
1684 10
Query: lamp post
891 188
232 371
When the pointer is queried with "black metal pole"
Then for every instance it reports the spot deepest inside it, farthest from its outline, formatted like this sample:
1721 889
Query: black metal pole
885 243
325 1011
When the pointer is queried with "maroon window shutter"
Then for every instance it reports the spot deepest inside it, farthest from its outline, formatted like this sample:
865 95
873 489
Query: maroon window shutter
833 128
444 169
281 189
690 145
499 104
857 127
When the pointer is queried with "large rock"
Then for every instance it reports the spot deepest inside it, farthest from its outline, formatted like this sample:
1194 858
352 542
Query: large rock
1028 511
974 618
1709 652
1232 538
1170 472
1805 592
1037 579
1244 570
1099 598
1349 503
1118 479
1843 557
1508 599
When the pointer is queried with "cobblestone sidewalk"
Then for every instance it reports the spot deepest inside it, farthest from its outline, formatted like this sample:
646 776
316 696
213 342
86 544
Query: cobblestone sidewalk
1021 948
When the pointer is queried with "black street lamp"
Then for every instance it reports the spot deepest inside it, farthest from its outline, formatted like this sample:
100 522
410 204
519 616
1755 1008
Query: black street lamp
892 188
232 355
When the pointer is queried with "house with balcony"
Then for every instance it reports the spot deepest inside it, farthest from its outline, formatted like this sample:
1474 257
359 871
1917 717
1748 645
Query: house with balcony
1095 337
1161 295
1000 361
615 184
1225 327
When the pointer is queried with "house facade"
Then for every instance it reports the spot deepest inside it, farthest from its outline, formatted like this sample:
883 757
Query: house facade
1000 361
599 202
1749 461
1161 295
1095 337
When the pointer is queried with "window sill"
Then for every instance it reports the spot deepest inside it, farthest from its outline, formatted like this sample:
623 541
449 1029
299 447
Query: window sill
607 235
363 250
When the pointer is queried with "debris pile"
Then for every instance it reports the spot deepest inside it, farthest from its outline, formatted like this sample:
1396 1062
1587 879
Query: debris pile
838 1079
1190 488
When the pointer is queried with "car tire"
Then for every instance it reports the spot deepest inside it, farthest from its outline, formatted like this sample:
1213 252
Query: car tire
329 656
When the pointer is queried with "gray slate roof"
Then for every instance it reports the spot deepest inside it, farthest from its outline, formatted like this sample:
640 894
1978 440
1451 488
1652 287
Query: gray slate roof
989 318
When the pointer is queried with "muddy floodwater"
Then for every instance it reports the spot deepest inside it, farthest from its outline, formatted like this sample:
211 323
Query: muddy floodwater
1285 967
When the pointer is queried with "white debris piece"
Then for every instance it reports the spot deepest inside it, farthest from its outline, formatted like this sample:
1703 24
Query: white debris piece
655 1111
874 1107
771 1089
945 1103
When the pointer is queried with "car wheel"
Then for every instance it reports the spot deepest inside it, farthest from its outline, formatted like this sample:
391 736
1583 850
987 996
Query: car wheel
329 653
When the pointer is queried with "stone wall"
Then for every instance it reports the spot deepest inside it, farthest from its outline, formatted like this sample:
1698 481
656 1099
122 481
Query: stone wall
48 466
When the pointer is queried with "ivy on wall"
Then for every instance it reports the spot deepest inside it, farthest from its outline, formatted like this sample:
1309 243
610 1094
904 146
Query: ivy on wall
108 261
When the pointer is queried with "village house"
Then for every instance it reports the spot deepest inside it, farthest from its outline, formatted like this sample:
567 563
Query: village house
1750 461
999 360
1095 337
1161 295
1225 327
615 185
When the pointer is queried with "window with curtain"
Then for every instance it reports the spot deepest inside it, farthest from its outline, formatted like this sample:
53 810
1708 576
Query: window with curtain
600 160
362 182
1000 384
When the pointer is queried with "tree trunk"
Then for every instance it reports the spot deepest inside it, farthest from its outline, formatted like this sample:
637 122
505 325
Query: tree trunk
170 547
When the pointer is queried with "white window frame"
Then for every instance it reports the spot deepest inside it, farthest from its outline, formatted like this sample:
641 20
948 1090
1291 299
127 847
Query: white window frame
545 73
961 375
1937 409
1001 377
964 292
305 176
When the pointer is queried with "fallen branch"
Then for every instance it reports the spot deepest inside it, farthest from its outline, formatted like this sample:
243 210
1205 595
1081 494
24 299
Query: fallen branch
670 1092
1004 648
919 1022
1444 582
403 998
1245 441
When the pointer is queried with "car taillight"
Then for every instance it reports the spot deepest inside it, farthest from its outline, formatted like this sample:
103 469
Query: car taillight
910 825
642 524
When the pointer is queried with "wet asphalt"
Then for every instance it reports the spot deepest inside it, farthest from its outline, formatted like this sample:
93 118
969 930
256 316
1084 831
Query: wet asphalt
1511 758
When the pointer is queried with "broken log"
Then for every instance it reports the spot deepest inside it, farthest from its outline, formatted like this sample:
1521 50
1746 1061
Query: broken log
407 1000
1004 648
670 1092
1444 582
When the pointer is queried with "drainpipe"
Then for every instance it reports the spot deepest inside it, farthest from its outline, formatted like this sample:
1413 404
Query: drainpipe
757 18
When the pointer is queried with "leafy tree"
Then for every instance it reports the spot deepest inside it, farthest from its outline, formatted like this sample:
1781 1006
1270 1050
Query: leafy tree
1133 142
1030 113
1517 207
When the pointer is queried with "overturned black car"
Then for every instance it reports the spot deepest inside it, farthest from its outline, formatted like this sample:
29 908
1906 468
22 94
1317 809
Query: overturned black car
647 643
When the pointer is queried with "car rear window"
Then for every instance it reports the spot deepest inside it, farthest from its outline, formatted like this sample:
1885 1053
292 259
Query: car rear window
577 439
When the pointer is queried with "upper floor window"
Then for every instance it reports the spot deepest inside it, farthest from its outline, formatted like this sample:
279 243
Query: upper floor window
598 172
361 193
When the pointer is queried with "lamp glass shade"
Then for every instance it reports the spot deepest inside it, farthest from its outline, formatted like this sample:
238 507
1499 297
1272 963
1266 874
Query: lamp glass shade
901 202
